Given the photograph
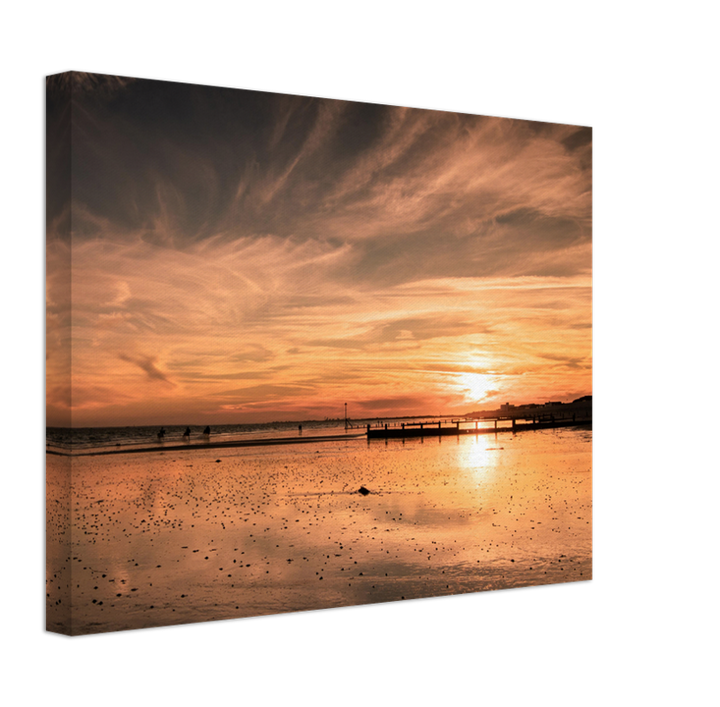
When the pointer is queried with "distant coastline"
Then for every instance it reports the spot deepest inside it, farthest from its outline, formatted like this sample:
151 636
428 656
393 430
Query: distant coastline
536 409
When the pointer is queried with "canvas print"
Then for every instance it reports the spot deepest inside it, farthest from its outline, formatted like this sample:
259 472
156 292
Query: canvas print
306 353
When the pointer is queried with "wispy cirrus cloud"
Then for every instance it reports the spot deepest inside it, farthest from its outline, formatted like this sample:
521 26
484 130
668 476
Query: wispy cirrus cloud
147 364
247 254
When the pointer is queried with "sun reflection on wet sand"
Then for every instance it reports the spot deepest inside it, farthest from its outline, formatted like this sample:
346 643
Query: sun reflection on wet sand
168 538
479 456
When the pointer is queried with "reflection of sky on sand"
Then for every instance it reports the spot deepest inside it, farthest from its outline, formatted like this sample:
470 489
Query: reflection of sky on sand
173 538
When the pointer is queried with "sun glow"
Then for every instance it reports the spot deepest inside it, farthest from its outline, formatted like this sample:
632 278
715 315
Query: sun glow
476 386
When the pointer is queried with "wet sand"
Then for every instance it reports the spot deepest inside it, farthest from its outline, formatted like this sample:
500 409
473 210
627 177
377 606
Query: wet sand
181 536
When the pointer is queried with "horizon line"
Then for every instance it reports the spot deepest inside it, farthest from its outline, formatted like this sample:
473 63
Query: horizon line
299 421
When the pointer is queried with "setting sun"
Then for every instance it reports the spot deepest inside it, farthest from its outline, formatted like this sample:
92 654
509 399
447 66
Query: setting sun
477 386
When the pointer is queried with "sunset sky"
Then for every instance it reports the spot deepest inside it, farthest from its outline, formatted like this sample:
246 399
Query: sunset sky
239 256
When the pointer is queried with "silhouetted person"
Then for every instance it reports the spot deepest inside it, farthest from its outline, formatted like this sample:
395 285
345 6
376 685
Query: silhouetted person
206 431
300 429
161 434
187 432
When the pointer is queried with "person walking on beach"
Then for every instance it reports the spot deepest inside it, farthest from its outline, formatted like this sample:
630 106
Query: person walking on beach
187 432
206 431
161 434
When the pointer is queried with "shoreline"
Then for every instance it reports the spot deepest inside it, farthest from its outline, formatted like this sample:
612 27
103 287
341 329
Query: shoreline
209 445
375 434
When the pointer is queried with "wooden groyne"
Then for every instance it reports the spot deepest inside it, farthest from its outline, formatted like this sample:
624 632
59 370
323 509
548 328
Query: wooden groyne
472 427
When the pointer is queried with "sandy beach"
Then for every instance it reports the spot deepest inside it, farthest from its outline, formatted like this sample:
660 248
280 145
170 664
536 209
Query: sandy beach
180 536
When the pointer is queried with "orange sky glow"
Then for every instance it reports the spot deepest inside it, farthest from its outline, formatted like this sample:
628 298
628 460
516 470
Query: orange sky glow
233 256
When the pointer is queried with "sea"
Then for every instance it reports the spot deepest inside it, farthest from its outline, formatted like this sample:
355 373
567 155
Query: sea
79 440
